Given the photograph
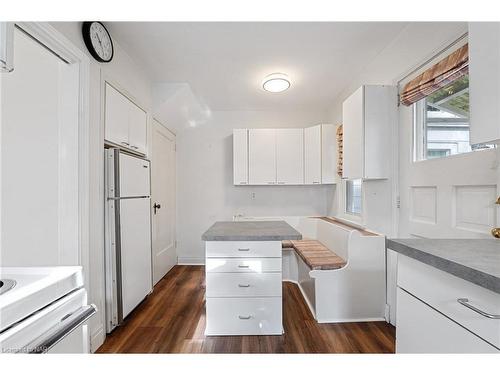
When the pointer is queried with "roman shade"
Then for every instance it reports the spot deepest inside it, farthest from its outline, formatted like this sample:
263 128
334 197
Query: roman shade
437 76
340 151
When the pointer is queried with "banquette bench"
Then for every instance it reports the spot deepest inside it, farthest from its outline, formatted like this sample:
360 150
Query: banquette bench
339 269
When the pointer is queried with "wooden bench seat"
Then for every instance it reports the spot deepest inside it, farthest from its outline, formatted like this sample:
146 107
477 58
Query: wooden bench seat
316 255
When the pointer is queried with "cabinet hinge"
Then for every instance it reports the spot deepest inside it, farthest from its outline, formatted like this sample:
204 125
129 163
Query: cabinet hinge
398 202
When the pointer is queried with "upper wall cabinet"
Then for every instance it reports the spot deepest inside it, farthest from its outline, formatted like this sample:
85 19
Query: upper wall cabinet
262 156
284 156
369 116
125 124
484 82
312 154
240 156
290 156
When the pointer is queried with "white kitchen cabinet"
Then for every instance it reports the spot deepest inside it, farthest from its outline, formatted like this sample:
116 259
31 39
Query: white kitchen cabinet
116 117
484 82
290 156
421 329
431 318
369 116
243 288
312 155
262 156
328 154
137 128
240 156
125 124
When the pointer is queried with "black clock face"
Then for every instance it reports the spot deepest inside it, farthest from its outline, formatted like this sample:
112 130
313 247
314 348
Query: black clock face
98 41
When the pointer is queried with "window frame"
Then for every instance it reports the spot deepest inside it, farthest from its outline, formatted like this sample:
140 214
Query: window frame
346 183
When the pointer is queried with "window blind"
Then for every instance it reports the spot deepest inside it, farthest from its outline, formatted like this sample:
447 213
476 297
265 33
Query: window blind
437 76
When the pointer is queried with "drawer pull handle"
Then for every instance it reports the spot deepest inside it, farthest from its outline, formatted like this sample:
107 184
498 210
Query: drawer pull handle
244 317
244 285
247 249
465 302
242 266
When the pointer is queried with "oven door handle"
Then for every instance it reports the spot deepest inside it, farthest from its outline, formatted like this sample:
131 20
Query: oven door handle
67 325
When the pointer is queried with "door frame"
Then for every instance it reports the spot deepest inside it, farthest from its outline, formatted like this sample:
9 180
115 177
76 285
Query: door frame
53 40
155 121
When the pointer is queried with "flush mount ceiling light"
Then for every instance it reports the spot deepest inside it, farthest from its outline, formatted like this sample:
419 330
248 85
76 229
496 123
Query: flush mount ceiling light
276 82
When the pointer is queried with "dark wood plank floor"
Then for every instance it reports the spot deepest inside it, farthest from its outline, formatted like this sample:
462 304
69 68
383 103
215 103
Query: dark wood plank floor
172 320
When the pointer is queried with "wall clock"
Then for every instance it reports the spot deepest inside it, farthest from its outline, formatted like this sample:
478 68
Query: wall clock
98 41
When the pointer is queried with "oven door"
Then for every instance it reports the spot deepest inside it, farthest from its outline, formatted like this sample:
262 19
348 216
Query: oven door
58 328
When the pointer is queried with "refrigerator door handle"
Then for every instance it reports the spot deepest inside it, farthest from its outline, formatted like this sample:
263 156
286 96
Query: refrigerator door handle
121 198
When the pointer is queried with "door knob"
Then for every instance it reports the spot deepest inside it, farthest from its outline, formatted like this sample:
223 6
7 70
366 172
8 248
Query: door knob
156 207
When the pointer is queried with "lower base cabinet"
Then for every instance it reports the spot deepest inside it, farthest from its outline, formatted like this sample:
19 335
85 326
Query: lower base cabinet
422 329
244 316
243 288
430 317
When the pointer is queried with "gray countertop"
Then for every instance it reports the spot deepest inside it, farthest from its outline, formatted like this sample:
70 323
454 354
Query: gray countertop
474 260
250 231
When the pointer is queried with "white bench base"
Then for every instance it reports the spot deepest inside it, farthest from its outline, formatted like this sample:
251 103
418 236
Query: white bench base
353 293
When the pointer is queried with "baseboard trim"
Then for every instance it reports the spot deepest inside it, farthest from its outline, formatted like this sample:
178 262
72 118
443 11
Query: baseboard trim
190 261
357 320
97 339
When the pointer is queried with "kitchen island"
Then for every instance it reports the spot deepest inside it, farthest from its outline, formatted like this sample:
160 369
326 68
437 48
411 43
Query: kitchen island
243 277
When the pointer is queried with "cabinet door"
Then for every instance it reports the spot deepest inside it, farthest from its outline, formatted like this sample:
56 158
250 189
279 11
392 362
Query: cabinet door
312 155
240 156
484 82
352 117
116 115
262 156
290 156
328 154
421 329
137 128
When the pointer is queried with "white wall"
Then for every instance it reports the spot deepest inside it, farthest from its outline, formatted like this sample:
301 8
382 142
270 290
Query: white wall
205 191
413 46
130 77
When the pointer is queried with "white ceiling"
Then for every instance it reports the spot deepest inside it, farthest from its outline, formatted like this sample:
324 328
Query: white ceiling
224 63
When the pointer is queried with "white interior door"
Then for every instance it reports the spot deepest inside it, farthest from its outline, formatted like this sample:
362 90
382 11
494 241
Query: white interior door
39 158
163 200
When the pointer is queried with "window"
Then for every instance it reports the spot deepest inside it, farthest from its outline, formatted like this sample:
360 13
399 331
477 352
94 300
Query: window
442 122
353 197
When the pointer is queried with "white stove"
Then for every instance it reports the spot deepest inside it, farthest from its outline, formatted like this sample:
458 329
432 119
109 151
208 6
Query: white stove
43 309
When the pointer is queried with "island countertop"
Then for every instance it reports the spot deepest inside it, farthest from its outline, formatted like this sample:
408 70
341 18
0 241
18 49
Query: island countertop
474 260
251 231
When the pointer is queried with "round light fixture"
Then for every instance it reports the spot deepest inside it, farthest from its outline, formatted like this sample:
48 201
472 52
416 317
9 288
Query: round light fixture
276 82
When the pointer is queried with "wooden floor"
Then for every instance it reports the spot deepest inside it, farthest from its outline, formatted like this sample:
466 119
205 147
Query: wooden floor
172 320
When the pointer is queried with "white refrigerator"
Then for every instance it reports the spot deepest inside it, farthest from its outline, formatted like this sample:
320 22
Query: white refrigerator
128 234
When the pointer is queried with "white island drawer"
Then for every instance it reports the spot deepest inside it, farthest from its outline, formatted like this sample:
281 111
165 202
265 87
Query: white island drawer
442 290
243 249
243 265
244 284
244 316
